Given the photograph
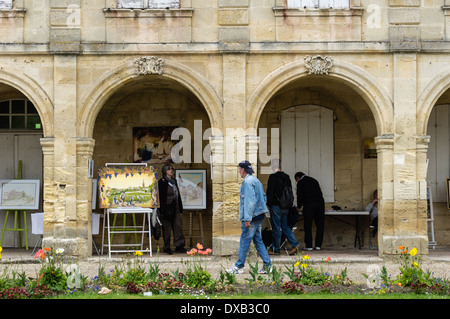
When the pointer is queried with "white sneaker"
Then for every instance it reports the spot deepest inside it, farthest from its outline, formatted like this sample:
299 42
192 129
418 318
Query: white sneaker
317 248
235 270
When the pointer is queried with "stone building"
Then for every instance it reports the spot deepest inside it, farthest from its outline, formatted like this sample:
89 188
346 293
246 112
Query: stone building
352 92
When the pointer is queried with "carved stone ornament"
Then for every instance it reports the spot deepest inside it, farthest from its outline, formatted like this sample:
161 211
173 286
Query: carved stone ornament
149 65
318 64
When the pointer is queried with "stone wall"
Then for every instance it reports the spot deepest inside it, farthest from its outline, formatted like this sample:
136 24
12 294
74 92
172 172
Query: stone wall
233 64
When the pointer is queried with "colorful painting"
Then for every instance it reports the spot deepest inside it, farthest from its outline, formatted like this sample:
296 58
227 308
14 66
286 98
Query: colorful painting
128 186
370 150
19 194
192 185
152 145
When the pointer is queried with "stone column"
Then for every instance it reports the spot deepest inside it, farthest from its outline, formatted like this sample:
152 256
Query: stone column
385 150
402 220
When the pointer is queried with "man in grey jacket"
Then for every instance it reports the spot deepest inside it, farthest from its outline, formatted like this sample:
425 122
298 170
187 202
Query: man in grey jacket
252 207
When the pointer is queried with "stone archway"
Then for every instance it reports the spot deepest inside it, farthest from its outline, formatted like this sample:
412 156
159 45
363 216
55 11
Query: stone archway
362 84
135 75
106 85
361 81
34 92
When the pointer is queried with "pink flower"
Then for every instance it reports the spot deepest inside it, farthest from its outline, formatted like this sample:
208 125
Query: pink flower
199 246
40 254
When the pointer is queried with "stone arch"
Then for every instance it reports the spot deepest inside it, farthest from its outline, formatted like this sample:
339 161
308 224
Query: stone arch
113 80
34 92
361 81
428 98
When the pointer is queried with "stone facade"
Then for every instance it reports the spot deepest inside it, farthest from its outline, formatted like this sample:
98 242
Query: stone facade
95 69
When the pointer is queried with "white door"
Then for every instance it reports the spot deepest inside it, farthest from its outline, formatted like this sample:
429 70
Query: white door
307 145
27 148
439 152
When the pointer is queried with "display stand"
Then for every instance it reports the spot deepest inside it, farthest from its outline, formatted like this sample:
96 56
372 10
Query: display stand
17 227
191 236
17 223
430 218
136 229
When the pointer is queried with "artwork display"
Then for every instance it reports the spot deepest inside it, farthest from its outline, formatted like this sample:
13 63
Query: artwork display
19 194
370 150
192 185
128 186
152 145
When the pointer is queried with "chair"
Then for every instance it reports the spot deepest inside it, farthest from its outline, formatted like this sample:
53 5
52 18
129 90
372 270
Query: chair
37 228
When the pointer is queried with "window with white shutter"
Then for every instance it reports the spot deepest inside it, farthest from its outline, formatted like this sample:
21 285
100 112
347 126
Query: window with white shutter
6 4
150 4
319 4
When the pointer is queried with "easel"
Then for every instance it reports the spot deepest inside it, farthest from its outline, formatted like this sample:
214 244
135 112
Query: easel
199 213
112 229
430 217
17 218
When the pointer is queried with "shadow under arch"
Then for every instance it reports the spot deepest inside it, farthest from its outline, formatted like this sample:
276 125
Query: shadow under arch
33 92
428 98
351 75
105 86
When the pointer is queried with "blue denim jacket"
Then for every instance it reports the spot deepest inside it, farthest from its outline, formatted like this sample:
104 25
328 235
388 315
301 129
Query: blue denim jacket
253 199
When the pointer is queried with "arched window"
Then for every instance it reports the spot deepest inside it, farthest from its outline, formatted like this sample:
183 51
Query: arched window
19 115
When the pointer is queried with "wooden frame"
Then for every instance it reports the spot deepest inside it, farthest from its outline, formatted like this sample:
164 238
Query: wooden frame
192 185
19 194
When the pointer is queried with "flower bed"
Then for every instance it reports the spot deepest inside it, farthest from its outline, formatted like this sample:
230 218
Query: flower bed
147 278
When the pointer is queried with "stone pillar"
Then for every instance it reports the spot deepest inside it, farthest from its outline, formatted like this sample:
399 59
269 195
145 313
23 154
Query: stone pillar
385 150
402 219
234 44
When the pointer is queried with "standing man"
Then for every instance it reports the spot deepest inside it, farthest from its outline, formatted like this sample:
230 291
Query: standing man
309 195
252 207
279 215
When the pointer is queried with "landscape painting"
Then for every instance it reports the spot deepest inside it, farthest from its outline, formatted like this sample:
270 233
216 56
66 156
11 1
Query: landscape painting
19 194
128 186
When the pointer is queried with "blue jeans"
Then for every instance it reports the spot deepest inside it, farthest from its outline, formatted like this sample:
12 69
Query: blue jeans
247 236
278 220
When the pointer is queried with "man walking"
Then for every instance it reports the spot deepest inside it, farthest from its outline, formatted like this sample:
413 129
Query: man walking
278 214
252 207
309 195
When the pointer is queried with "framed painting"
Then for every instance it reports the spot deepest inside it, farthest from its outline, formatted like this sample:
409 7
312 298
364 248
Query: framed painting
192 185
19 194
128 186
152 145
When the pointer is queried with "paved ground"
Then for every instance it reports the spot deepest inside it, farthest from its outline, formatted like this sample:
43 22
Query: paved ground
356 261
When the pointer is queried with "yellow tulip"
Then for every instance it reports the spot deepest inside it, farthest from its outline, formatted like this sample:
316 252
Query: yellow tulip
413 252
297 264
138 253
416 265
304 265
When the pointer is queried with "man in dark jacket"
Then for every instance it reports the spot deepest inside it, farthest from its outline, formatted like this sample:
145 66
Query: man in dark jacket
309 195
278 214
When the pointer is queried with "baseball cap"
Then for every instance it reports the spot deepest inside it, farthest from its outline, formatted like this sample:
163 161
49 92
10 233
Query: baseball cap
247 166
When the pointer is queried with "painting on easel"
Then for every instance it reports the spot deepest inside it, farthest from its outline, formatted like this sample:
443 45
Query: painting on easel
128 186
19 194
